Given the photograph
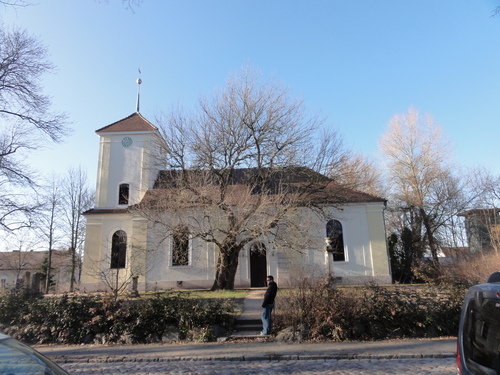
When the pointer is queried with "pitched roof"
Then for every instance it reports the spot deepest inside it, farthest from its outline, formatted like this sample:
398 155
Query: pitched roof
133 123
31 260
241 176
306 184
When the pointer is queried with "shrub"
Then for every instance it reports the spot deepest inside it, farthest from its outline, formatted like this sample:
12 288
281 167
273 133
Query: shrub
87 319
474 269
152 317
370 312
316 309
15 304
201 313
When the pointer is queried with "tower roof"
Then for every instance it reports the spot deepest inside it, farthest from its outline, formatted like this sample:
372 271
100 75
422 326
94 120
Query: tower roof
133 123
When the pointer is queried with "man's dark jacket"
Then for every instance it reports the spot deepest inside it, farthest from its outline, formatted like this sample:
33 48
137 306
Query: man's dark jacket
271 291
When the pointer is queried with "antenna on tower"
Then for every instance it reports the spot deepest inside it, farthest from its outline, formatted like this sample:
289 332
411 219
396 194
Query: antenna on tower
139 81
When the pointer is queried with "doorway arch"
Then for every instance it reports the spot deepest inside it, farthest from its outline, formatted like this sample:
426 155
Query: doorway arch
258 265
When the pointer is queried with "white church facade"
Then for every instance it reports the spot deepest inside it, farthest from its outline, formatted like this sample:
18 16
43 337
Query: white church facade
123 248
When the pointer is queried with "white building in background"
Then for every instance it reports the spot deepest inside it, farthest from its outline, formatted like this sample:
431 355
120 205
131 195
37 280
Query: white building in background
24 269
350 244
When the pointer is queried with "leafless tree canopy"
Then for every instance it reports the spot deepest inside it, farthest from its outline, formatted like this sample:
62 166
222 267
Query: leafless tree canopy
425 193
77 198
47 222
15 3
228 165
357 172
25 119
23 61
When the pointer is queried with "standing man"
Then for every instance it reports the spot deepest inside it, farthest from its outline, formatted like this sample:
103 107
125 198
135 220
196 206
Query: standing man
268 305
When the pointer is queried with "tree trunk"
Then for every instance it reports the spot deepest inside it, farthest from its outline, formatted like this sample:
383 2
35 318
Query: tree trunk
433 246
115 291
73 267
47 273
227 265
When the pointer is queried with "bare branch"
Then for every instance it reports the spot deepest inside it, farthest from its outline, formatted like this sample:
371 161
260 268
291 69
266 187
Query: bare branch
25 118
236 168
425 193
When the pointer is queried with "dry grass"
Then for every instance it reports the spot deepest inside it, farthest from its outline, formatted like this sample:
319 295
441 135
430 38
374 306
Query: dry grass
473 270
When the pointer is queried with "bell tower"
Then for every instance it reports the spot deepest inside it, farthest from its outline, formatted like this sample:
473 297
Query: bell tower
128 162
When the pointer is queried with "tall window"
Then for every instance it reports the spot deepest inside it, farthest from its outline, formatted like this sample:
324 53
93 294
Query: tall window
180 246
123 194
118 249
335 240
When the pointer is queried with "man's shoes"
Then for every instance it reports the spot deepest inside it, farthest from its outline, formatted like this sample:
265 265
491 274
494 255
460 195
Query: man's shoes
263 334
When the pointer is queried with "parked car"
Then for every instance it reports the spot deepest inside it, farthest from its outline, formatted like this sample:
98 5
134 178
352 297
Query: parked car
17 358
478 344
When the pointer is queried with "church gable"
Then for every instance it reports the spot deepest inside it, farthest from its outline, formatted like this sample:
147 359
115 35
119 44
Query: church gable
133 123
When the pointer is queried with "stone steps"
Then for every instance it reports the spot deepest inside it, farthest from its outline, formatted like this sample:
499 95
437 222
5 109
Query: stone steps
248 325
247 329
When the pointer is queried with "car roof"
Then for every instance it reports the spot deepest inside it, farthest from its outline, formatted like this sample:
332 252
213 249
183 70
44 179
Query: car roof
494 278
487 290
3 336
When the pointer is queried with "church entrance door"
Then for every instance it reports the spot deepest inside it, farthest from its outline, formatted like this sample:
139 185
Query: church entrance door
258 265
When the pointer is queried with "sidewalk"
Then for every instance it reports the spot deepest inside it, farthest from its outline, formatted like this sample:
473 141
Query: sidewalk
252 305
253 350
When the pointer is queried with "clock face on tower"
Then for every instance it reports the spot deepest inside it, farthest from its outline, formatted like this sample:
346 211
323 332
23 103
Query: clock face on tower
126 141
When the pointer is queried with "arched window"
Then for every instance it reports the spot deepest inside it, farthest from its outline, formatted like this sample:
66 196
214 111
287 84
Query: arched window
335 240
180 246
118 249
123 194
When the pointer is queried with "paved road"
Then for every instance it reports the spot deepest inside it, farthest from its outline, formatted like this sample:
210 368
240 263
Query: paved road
423 366
404 356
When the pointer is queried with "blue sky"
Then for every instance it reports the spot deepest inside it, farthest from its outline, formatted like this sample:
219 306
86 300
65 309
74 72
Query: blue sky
357 62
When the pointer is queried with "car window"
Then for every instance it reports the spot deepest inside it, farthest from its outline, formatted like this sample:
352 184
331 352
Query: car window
481 336
16 358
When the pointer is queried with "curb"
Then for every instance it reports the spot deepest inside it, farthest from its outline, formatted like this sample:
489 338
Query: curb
256 358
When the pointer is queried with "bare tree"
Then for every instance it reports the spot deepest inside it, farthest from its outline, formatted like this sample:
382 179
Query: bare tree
17 203
483 220
49 223
77 197
23 61
111 270
15 3
495 11
356 171
233 174
491 201
19 244
425 193
25 120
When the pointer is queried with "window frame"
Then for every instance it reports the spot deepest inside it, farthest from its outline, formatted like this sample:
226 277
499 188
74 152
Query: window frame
118 258
335 240
123 194
177 246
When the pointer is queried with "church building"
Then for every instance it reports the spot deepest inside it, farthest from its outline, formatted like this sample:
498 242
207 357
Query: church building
122 251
